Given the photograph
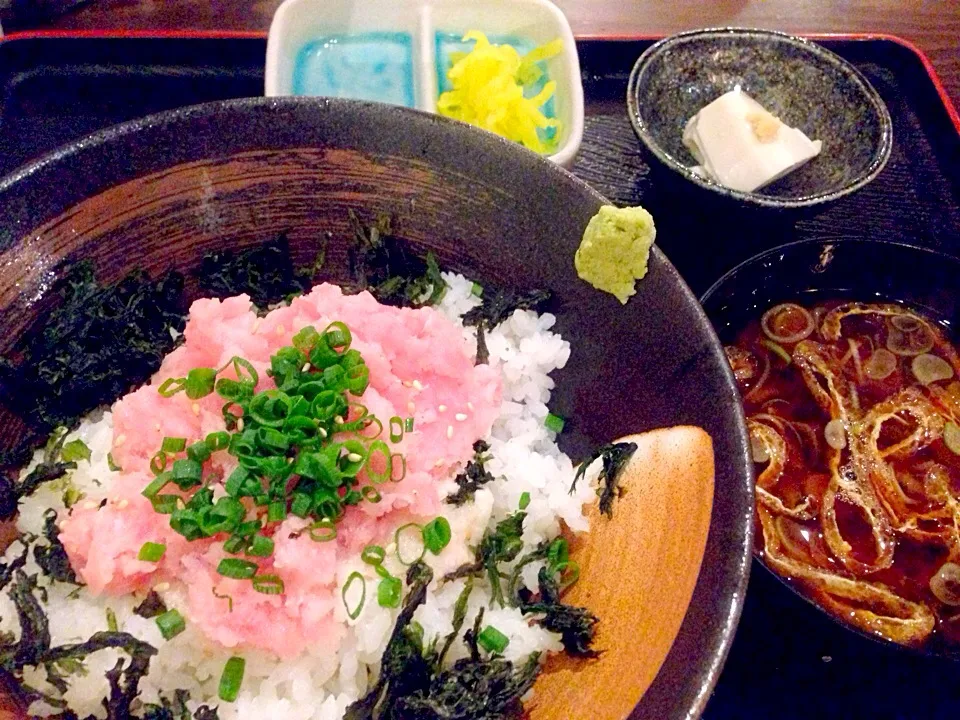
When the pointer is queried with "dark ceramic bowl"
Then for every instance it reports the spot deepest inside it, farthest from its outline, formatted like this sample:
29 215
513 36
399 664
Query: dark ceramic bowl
811 271
803 84
162 192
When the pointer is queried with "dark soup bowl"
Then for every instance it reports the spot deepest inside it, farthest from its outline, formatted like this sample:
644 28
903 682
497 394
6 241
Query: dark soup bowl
847 472
297 181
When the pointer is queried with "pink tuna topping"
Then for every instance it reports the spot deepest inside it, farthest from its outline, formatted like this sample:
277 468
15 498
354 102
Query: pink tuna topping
419 366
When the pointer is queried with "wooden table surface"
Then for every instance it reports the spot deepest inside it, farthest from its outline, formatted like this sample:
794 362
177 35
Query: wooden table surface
932 25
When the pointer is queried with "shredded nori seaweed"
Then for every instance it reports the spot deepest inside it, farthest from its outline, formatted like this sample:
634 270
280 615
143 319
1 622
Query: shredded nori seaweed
384 265
615 457
52 558
412 685
575 625
497 307
151 606
97 342
266 273
48 469
501 545
474 475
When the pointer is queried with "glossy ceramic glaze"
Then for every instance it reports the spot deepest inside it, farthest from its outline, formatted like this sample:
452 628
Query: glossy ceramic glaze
802 83
161 192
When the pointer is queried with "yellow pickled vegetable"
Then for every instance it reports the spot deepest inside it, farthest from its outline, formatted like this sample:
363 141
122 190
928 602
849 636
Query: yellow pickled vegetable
490 84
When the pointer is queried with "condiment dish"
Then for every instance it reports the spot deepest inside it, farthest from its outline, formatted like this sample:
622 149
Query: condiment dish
803 84
432 28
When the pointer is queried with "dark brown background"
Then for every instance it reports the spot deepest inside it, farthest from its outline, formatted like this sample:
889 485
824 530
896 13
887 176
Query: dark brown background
933 25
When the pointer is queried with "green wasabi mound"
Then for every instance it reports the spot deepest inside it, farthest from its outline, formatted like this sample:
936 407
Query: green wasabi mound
615 250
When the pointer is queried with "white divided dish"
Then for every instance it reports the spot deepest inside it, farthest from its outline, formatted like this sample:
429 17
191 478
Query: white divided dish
423 30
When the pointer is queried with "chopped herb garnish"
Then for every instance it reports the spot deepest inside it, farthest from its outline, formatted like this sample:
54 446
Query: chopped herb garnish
151 552
554 423
231 679
474 476
112 624
112 464
436 535
615 457
492 640
524 500
354 606
389 591
74 451
171 624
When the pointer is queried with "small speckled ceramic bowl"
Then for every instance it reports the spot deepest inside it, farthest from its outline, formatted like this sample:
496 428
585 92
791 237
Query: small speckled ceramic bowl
803 84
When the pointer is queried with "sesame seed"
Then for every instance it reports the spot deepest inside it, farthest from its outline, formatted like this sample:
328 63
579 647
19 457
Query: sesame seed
411 407
121 439
338 420
89 505
305 368
322 433
196 408
256 325
280 330
122 504
440 462
156 426
469 406
354 457
460 417
240 424
417 385
162 587
442 408
449 431
407 383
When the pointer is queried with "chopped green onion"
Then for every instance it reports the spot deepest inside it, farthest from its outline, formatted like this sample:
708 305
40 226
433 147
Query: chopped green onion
199 451
112 624
554 423
569 573
388 592
166 504
217 440
396 429
151 552
276 512
158 463
476 290
112 464
382 571
557 554
156 485
358 606
377 453
186 473
173 444
403 467
436 535
408 425
237 569
373 555
524 500
410 545
322 531
200 382
75 450
301 505
268 584
71 496
231 679
260 546
492 640
171 386
171 624
371 494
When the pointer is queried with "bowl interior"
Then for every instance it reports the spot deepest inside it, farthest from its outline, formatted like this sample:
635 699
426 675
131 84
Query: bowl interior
811 271
803 84
160 193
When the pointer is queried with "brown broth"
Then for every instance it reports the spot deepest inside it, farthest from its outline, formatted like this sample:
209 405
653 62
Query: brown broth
784 394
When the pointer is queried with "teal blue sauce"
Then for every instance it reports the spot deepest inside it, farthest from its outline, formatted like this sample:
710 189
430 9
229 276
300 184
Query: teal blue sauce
449 43
369 66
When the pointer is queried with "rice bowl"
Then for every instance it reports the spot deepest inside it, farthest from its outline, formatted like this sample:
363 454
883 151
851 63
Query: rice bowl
329 673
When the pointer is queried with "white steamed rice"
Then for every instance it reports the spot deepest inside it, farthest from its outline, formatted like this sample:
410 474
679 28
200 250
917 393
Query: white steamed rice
320 685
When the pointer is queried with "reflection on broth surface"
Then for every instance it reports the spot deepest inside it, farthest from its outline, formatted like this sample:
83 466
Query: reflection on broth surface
854 418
